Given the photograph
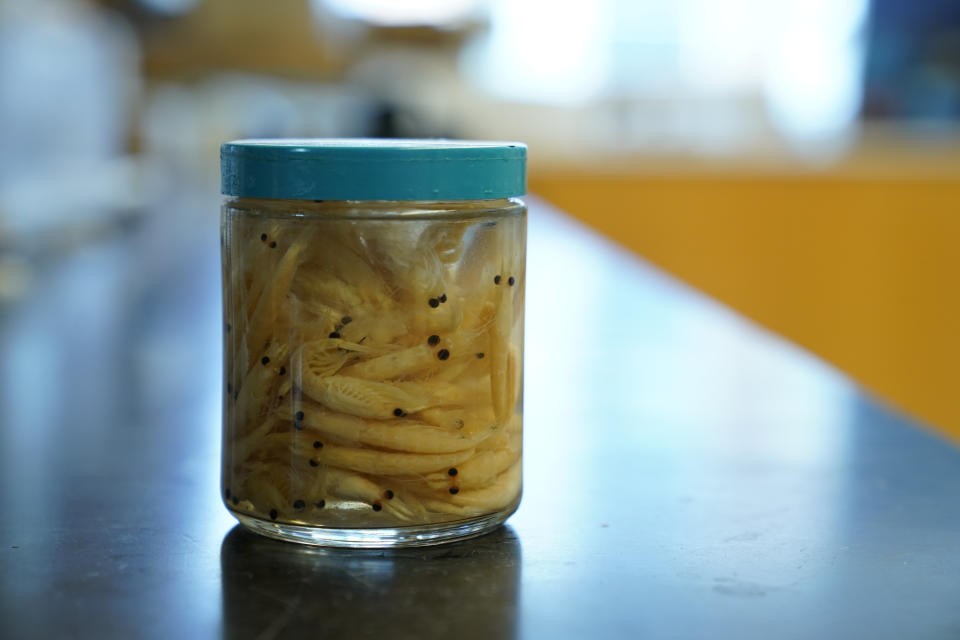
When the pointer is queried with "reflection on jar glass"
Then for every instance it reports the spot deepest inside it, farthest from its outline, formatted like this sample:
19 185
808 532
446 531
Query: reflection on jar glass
443 592
373 354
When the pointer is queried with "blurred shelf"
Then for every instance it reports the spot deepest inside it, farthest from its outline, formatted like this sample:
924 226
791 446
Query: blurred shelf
879 150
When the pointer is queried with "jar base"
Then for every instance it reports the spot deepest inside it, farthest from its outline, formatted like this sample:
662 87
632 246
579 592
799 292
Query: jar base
378 538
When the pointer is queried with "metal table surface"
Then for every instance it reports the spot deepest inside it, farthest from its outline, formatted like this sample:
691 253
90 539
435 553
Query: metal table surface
687 475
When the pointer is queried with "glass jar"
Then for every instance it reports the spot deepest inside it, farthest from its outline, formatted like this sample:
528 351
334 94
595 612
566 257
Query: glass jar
373 341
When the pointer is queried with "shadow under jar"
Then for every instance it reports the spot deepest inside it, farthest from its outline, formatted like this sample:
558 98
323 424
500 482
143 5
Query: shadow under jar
373 338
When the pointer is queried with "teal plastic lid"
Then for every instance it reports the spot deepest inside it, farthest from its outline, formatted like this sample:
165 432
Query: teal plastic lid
372 169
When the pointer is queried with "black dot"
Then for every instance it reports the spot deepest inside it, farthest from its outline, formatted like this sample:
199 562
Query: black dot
399 412
264 360
226 493
454 491
433 302
388 494
299 504
480 355
346 320
443 297
229 388
314 463
236 500
228 327
298 415
443 354
511 280
283 371
298 426
452 472
334 334
320 504
377 506
263 237
317 444
496 279
273 514
432 340
273 245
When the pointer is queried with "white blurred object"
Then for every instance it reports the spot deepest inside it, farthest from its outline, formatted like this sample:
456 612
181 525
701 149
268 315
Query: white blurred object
68 75
68 82
814 84
706 76
391 13
539 51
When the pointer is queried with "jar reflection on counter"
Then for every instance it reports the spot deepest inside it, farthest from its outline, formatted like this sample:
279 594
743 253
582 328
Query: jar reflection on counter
373 367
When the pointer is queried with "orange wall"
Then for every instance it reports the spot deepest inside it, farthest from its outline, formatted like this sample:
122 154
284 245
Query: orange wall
862 271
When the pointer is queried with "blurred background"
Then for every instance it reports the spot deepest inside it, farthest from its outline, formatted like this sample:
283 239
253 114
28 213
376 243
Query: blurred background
798 160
